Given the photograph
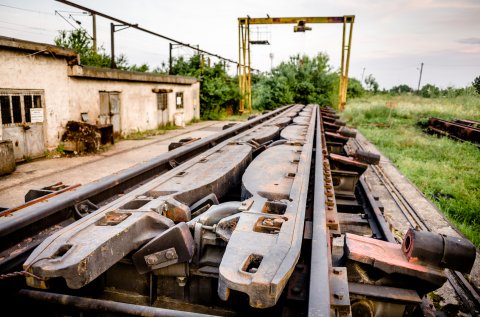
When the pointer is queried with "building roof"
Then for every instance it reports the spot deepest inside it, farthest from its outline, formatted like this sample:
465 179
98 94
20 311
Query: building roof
38 48
86 72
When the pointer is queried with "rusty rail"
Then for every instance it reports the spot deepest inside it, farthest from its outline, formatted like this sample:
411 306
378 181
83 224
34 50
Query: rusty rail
462 130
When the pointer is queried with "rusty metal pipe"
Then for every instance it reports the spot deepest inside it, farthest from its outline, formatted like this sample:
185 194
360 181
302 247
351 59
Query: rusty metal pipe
442 251
217 212
100 305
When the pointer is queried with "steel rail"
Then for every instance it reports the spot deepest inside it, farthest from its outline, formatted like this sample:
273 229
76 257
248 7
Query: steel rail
319 295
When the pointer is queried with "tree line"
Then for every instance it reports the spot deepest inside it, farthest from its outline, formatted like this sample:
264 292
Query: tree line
301 79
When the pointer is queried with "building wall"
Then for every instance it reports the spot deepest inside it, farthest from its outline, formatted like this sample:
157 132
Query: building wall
20 70
66 97
138 104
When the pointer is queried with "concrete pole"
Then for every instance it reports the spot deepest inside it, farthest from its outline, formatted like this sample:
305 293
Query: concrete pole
420 79
170 62
112 45
94 27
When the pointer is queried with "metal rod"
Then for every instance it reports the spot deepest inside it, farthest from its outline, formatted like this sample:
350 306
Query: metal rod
100 305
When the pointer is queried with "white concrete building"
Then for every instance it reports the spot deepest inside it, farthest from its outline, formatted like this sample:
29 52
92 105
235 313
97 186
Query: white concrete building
42 87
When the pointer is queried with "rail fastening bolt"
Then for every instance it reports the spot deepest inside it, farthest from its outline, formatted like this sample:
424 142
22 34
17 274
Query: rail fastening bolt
170 254
151 259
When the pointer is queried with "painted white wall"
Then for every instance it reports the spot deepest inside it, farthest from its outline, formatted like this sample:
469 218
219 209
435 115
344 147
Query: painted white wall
21 70
67 97
138 104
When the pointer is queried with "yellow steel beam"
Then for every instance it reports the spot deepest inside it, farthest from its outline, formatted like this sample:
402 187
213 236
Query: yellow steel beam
294 20
244 67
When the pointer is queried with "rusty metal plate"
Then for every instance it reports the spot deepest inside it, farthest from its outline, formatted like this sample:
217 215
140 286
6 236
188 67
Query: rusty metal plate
301 120
262 134
294 132
281 122
271 174
389 258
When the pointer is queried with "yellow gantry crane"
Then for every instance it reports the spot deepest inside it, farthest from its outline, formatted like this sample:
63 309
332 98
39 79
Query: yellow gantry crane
244 69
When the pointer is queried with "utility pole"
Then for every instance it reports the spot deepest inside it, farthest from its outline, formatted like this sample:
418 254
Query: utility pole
112 40
112 45
170 62
420 79
271 61
94 27
363 73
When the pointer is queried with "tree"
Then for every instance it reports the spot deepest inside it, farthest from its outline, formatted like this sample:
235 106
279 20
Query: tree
354 88
401 89
80 41
476 84
302 79
371 83
218 91
430 91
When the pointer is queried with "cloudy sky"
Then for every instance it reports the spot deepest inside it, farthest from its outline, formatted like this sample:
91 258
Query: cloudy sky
390 38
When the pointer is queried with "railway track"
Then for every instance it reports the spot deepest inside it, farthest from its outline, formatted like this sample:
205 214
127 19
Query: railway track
270 217
467 293
459 129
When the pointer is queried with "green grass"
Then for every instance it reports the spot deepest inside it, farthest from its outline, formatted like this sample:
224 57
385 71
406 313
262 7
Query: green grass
241 117
446 171
142 135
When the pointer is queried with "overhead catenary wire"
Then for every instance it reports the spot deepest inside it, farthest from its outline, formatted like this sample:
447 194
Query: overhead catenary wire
136 26
23 9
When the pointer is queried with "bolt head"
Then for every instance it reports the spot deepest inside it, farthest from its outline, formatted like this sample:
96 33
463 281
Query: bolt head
151 259
170 254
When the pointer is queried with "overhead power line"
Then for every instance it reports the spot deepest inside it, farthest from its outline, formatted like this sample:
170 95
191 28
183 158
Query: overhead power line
23 9
136 26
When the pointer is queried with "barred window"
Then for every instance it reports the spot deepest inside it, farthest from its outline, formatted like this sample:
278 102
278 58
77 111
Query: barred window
16 105
162 101
5 108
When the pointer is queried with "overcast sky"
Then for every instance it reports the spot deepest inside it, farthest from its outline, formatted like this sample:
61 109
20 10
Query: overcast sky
390 38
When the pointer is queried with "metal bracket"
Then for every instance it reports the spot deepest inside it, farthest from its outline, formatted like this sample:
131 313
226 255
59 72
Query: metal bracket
161 259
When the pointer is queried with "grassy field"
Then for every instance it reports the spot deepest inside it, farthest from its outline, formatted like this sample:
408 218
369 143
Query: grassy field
446 171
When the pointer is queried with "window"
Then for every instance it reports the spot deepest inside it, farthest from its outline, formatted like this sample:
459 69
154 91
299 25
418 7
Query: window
162 101
16 106
27 101
16 109
179 100
5 108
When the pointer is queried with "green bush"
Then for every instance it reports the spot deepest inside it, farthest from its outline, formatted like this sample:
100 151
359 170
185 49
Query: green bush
301 79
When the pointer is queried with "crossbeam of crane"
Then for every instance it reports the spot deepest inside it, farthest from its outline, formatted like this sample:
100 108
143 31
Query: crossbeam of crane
244 69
